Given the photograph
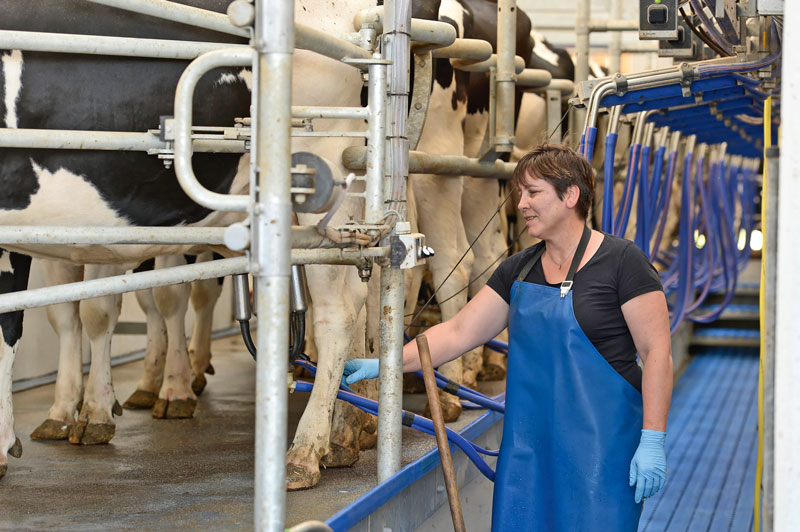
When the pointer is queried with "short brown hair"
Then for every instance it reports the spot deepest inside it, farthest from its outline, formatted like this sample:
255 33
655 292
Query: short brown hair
562 167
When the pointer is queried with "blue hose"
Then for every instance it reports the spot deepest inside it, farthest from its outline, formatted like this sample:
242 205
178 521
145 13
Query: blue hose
588 148
630 191
608 184
642 212
418 422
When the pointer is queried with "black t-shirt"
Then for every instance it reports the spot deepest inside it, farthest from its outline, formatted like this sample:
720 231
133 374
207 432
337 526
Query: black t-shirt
618 272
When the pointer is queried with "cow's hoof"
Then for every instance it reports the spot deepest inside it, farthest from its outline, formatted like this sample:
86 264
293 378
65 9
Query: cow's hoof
141 399
175 409
210 369
300 478
450 411
340 456
413 384
3 470
199 384
367 440
85 433
51 429
470 380
492 372
116 408
16 449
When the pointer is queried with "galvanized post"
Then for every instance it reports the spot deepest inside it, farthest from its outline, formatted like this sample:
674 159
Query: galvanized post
769 256
506 76
376 143
615 39
787 299
553 98
390 388
274 43
582 16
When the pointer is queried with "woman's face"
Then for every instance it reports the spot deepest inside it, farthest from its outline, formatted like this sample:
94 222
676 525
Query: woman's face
541 207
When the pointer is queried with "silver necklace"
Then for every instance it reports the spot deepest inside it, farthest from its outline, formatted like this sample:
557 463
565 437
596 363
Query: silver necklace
565 258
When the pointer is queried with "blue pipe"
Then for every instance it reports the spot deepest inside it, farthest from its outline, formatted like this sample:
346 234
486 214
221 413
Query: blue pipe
607 224
627 202
642 212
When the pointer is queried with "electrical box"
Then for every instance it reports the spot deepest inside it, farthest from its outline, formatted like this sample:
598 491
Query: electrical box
681 48
658 19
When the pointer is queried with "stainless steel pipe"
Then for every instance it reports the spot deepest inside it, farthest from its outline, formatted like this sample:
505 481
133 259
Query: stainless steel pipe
353 158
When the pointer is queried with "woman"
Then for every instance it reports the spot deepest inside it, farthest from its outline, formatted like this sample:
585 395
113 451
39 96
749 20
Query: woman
584 429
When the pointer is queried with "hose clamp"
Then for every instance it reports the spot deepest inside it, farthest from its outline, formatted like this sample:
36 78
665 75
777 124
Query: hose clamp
687 77
620 84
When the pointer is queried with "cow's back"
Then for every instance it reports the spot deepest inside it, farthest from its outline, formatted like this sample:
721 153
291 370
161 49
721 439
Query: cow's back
105 93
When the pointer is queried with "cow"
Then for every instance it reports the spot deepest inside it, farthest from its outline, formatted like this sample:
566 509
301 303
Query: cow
65 318
65 187
109 93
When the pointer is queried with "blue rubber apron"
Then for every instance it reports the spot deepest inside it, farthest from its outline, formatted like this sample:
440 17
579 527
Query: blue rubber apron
572 423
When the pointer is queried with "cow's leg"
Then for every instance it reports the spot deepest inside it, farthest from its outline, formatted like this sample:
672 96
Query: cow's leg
204 296
348 420
176 398
99 315
66 322
14 270
155 352
439 210
338 296
478 211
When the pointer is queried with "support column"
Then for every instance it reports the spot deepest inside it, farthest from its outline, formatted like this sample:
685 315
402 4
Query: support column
578 116
505 77
787 306
271 254
390 383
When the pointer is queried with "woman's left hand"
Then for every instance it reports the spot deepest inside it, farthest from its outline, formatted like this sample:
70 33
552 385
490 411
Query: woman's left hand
649 465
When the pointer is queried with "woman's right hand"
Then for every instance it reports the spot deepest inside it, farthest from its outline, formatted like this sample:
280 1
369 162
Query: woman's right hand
358 369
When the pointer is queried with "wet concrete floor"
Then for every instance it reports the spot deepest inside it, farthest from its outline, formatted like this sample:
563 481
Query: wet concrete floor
192 474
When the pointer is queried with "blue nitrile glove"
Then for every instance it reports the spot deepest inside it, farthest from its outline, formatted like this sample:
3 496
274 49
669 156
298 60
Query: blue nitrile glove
359 369
649 465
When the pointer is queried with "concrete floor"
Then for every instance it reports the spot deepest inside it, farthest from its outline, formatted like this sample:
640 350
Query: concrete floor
164 475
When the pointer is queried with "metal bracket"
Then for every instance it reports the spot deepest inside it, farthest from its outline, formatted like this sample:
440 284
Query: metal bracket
687 77
620 84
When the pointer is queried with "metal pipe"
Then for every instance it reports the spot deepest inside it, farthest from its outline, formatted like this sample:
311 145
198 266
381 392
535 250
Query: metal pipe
769 258
120 284
531 77
475 49
303 237
183 14
505 79
343 256
577 116
184 97
66 43
390 385
469 65
565 86
421 31
306 111
615 39
320 42
376 144
275 42
310 526
391 374
441 433
67 139
353 158
613 119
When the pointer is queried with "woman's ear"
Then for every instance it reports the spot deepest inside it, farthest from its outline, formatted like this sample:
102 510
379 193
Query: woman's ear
572 196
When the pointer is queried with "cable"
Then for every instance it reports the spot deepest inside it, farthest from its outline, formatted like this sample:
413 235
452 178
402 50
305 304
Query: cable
428 302
703 36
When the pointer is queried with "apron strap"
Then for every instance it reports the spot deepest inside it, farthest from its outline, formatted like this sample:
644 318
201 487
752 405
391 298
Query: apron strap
566 286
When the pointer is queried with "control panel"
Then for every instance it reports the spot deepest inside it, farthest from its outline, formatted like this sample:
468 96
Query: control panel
658 19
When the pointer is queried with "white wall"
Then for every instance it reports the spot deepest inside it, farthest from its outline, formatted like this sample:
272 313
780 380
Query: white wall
38 350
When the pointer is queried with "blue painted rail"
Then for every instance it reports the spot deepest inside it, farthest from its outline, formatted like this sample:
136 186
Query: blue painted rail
711 447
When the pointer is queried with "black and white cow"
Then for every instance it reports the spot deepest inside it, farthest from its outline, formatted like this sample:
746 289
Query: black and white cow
64 187
119 189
